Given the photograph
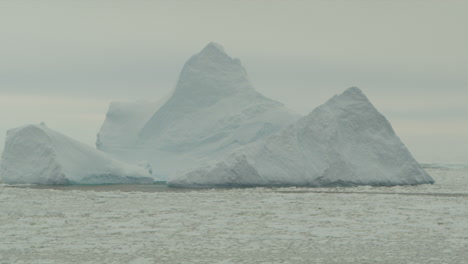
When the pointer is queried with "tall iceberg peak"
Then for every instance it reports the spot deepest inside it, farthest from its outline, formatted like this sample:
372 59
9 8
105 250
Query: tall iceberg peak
212 111
206 78
353 91
211 73
344 142
213 48
351 95
354 95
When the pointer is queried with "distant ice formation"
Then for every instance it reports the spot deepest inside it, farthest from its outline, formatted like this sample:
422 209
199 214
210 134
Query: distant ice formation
212 111
344 142
36 154
123 123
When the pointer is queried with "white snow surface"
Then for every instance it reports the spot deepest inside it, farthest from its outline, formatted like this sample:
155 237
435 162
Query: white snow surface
36 154
212 111
344 142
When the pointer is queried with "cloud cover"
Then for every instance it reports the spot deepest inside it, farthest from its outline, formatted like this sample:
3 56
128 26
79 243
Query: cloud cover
63 61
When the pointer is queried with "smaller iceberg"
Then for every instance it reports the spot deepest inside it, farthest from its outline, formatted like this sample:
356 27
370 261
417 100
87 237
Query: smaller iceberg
36 154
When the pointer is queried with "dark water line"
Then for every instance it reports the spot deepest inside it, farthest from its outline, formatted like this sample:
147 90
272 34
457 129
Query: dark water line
385 193
164 188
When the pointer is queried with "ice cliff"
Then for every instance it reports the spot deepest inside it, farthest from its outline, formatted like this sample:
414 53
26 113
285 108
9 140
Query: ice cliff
212 111
36 154
344 142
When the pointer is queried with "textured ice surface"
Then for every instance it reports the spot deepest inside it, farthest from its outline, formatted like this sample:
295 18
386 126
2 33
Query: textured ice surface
123 123
212 111
366 225
344 142
35 154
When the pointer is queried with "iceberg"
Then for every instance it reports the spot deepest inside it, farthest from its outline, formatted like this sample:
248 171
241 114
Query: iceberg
212 111
36 154
123 123
344 142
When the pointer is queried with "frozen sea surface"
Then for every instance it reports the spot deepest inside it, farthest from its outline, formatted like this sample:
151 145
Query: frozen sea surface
156 224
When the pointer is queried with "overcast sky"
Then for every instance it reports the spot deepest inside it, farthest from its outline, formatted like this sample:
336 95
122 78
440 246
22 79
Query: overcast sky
62 62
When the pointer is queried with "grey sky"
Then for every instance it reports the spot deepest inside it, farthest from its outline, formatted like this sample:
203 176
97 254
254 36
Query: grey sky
62 62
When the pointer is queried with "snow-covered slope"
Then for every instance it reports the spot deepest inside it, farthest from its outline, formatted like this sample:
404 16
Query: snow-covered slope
212 111
35 154
343 142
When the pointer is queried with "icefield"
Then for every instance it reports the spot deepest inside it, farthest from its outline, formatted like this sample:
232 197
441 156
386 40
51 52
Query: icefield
36 154
212 111
89 224
344 142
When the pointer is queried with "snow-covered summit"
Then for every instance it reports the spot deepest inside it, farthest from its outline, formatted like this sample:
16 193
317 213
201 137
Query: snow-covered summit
213 46
206 78
211 54
212 111
344 142
36 154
